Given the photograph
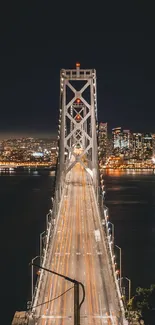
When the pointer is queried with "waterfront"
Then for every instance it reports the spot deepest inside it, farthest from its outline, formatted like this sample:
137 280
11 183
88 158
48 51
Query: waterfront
130 197
25 200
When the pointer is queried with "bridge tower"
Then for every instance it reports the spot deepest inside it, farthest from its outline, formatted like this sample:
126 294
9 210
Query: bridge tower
78 122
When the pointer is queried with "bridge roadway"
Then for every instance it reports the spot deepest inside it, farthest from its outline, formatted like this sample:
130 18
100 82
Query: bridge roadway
76 253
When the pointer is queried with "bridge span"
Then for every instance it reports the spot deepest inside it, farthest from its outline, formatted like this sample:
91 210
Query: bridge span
78 250
76 243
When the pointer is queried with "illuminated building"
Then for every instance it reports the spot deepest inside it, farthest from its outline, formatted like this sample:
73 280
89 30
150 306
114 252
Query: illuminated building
116 139
109 150
147 146
137 146
125 144
121 142
125 139
1 147
153 144
102 141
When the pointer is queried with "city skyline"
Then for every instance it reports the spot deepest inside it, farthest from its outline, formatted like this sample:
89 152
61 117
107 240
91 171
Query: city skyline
53 134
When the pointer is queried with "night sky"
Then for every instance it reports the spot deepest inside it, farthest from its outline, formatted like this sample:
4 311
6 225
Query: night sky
32 52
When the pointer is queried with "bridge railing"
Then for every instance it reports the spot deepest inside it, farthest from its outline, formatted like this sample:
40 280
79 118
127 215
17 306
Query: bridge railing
44 254
110 250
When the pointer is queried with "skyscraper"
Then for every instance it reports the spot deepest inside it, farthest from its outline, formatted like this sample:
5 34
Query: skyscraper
147 146
153 144
137 146
121 142
125 143
102 141
116 139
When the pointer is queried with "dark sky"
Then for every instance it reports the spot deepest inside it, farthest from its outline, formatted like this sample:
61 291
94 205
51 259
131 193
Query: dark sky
32 52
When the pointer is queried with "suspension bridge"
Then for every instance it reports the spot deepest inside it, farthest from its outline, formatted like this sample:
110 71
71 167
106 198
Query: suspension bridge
82 287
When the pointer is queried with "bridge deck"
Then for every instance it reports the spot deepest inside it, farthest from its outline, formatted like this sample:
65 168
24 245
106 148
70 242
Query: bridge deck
79 254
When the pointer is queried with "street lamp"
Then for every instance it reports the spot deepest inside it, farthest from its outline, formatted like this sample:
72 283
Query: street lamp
120 262
33 259
112 225
49 214
129 282
77 305
41 245
129 286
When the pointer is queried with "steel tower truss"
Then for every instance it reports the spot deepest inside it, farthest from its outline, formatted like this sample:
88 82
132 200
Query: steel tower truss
78 120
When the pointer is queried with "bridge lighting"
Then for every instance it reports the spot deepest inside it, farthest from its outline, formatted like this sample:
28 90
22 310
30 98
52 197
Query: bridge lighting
153 160
78 100
38 272
78 117
77 65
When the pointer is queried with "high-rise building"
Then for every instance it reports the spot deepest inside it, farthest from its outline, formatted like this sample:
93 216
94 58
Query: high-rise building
153 144
121 142
1 147
137 146
125 143
102 141
125 139
109 151
116 139
147 146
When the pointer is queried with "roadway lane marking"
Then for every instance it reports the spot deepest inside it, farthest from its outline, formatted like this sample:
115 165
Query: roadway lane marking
44 316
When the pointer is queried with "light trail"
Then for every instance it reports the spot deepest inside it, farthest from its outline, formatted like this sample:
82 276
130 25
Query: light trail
75 254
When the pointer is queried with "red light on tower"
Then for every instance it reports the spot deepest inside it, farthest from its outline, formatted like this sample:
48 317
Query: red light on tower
77 65
78 100
78 117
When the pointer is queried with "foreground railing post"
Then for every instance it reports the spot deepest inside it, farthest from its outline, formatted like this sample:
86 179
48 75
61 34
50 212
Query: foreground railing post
76 304
32 285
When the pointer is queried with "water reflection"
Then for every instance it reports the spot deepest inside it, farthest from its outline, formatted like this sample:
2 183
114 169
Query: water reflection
119 172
